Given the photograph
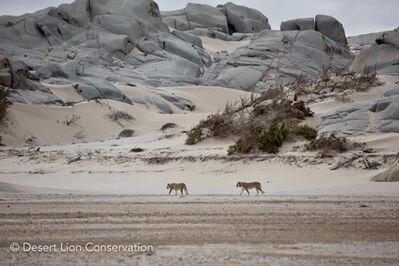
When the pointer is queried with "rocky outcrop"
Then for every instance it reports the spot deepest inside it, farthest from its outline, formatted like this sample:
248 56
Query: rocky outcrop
228 18
196 16
382 56
327 25
360 42
355 119
243 19
331 28
97 44
275 56
298 24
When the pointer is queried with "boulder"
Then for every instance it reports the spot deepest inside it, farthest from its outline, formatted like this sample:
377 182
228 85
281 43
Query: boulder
206 16
244 78
243 19
363 41
393 91
331 28
298 24
389 175
391 38
126 133
188 37
382 58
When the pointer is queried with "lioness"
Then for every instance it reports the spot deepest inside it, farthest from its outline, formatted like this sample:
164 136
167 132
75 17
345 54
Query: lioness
246 186
176 187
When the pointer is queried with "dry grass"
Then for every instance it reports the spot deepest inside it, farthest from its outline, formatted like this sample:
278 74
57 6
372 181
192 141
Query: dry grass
330 144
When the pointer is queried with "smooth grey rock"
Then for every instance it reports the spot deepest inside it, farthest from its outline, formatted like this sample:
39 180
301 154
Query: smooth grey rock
363 41
391 112
244 78
160 103
391 38
188 37
383 58
211 33
206 16
243 19
180 102
389 175
393 91
331 28
298 24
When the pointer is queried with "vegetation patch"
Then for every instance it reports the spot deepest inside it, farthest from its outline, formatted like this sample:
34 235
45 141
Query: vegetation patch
136 149
331 144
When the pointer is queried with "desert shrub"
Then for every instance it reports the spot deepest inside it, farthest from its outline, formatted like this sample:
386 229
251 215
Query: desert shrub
304 111
115 116
328 144
349 81
194 136
4 103
304 131
264 139
272 139
168 126
136 149
69 121
219 125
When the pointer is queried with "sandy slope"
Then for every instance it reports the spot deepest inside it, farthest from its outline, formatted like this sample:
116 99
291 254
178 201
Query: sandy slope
47 124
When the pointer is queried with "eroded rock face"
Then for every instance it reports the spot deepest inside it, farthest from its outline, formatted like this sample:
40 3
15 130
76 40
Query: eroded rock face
382 55
353 118
327 25
298 24
278 56
243 19
97 44
228 18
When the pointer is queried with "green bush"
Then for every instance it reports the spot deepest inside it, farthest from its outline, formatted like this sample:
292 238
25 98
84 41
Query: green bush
261 138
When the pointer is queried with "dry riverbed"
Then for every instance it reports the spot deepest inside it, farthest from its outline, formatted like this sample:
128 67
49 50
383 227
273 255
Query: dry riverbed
206 229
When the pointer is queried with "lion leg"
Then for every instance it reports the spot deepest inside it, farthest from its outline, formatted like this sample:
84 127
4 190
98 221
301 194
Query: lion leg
185 189
247 190
170 190
242 190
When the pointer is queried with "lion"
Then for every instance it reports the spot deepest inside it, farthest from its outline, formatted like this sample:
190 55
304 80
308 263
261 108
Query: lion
176 187
247 186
